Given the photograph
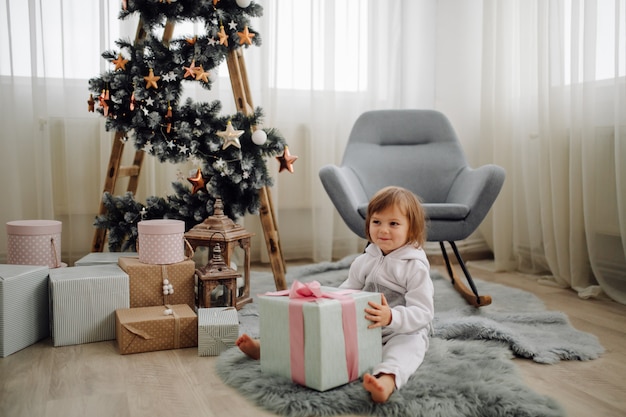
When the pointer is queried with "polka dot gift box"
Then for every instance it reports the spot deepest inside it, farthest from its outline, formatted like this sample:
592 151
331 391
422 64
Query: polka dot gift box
161 241
34 242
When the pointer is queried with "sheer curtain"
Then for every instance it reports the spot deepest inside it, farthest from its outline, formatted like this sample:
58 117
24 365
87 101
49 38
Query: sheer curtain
322 63
327 62
553 112
54 152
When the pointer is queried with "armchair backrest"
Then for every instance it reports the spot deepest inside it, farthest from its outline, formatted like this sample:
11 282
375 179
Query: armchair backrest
415 149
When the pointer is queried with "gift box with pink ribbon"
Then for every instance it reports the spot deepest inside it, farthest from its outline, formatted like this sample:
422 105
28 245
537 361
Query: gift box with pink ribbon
318 336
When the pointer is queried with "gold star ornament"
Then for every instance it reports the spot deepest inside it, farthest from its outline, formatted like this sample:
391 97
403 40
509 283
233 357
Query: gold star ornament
286 160
120 62
245 36
230 136
151 80
223 36
202 75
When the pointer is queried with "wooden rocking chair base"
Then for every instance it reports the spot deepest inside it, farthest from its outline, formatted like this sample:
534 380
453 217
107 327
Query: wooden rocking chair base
470 295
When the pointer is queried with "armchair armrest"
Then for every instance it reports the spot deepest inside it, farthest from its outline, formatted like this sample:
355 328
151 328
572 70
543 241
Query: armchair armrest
347 194
478 189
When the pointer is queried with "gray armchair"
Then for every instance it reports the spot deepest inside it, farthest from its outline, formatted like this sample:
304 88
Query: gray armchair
418 150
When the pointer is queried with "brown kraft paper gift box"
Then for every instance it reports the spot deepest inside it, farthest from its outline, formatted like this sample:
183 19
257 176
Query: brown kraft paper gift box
148 329
146 282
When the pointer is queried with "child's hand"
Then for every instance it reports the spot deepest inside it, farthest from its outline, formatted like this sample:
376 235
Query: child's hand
379 314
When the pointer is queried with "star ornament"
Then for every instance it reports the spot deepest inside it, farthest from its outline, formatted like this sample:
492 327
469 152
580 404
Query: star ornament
202 75
223 36
198 182
230 136
245 36
120 62
151 80
286 161
191 70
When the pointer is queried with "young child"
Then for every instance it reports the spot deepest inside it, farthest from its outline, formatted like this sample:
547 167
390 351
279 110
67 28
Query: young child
395 265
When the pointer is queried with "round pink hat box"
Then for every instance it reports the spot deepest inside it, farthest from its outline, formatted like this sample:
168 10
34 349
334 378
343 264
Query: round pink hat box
161 241
34 242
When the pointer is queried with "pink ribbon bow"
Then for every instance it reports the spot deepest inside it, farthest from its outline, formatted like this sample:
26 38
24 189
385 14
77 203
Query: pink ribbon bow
301 293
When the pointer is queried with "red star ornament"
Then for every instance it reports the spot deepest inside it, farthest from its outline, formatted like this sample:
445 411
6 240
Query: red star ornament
245 36
151 80
198 182
286 160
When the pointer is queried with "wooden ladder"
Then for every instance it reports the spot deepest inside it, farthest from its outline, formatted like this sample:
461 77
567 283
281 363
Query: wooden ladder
243 102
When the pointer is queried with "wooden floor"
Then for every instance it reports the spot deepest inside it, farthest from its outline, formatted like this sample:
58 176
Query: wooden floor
93 380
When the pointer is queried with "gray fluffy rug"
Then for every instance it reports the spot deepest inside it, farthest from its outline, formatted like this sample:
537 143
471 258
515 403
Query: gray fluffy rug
467 370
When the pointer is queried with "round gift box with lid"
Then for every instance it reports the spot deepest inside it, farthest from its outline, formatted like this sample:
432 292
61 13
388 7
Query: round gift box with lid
161 242
34 242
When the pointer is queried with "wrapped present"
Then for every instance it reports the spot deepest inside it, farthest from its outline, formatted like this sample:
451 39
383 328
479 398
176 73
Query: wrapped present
34 242
318 336
161 241
83 301
147 329
102 258
218 329
23 307
146 283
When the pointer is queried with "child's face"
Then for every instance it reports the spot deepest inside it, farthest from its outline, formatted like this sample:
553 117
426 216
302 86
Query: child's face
389 229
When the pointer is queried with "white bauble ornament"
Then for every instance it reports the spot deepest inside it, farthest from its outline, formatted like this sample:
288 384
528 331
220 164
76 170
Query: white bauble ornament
259 137
243 3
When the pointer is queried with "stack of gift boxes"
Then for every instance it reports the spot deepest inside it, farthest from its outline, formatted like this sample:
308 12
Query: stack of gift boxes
146 301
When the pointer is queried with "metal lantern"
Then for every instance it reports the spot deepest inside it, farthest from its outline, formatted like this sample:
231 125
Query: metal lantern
217 273
219 230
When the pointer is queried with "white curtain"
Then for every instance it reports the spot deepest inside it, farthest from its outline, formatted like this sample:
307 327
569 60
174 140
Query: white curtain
553 112
328 62
54 152
322 63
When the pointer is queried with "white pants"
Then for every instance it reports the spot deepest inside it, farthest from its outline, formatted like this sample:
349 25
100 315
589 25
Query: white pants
402 355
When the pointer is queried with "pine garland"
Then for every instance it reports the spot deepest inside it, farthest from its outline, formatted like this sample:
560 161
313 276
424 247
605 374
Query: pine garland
141 96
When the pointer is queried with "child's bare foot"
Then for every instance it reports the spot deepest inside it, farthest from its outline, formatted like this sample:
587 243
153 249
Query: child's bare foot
380 387
249 346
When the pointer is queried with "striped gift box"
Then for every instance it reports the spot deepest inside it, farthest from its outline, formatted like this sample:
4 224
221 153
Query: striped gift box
83 303
218 329
102 258
23 307
324 361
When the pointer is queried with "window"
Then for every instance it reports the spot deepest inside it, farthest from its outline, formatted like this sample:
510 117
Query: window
608 44
308 33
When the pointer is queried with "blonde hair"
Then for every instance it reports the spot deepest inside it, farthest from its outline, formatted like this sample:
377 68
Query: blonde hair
408 203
